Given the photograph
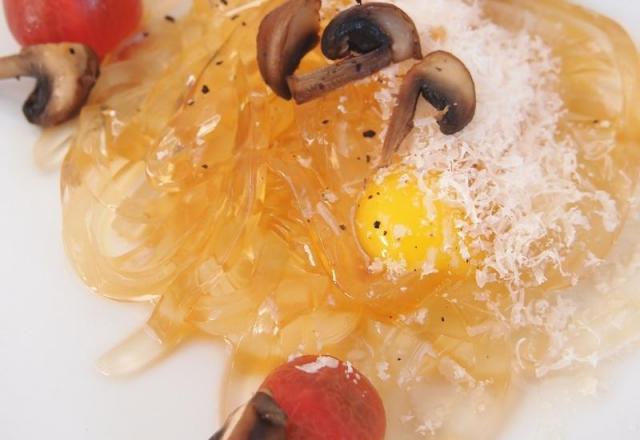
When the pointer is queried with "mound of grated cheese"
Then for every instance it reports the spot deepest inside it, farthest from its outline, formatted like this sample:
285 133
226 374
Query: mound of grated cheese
515 179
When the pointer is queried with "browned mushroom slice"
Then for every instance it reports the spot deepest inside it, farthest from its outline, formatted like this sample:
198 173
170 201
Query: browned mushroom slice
285 36
445 82
261 418
364 38
65 73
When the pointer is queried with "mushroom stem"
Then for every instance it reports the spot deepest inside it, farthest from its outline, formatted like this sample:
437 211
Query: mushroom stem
312 85
12 66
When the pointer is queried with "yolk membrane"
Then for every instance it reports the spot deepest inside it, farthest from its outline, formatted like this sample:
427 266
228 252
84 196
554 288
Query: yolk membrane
402 222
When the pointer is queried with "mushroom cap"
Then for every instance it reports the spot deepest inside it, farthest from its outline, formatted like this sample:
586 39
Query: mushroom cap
285 36
446 83
364 28
65 74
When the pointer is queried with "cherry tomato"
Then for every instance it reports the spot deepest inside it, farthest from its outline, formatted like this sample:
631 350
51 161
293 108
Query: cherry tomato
100 24
325 398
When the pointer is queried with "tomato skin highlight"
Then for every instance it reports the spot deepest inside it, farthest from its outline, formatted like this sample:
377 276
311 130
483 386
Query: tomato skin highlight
100 24
331 403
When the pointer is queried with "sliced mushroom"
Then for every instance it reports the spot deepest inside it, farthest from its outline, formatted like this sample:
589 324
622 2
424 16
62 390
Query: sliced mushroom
285 36
365 39
445 82
65 73
261 418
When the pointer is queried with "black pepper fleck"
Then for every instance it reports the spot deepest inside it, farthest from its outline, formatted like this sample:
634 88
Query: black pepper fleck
205 89
72 51
170 18
219 63
325 122
369 133
205 166
343 227
377 224
224 2
442 319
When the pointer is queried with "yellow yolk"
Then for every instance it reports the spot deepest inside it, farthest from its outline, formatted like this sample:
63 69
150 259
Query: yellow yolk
398 221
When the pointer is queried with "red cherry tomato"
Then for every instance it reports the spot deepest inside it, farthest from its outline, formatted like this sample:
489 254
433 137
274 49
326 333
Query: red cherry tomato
100 24
325 398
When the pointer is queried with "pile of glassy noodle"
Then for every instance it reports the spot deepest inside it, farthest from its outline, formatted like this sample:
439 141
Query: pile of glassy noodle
190 184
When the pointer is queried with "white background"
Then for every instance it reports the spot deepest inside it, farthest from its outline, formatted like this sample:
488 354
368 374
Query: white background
52 330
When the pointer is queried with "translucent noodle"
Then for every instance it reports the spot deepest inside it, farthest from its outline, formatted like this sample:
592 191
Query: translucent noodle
188 185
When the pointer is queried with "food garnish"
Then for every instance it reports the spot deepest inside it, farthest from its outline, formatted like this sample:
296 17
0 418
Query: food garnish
311 398
363 39
65 73
285 36
446 84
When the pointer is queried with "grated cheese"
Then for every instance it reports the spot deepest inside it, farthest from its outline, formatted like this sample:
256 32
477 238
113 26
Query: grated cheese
418 317
317 365
509 171
382 369
400 231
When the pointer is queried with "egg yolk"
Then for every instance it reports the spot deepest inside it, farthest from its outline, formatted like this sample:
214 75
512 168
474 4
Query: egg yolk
400 221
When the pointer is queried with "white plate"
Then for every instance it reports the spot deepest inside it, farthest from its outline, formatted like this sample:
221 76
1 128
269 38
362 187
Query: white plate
52 330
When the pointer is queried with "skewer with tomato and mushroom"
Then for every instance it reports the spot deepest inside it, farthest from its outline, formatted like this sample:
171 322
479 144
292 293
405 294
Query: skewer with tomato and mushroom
310 398
62 50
